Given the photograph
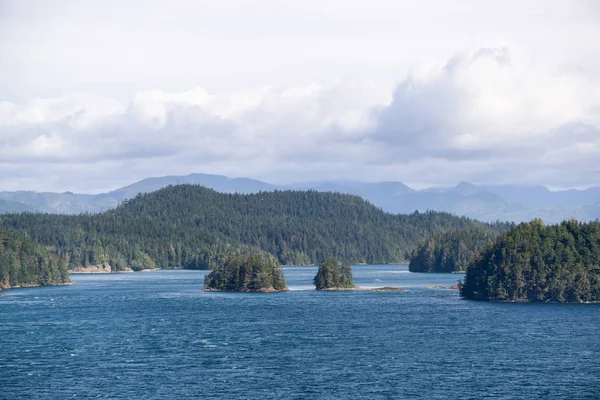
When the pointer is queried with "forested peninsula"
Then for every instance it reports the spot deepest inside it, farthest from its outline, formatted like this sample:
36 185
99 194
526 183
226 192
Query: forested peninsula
187 226
24 263
534 262
452 250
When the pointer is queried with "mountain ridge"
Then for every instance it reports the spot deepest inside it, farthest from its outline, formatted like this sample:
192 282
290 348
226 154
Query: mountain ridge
484 202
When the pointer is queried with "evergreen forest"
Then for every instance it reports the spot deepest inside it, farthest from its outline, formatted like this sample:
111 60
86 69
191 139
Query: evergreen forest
534 262
248 271
452 250
193 227
334 274
25 263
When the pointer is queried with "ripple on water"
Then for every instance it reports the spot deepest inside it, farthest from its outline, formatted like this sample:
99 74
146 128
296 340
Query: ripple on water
158 335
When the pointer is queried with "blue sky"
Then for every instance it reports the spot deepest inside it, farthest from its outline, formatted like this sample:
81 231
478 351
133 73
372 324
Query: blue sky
97 95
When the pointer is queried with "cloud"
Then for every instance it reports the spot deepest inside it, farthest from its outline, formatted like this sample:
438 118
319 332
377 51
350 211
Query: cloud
484 107
484 116
244 132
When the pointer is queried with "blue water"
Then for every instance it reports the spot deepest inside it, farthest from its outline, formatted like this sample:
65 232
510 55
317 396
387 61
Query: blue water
158 335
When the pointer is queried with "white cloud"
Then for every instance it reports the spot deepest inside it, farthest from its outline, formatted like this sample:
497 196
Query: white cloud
484 99
78 109
485 116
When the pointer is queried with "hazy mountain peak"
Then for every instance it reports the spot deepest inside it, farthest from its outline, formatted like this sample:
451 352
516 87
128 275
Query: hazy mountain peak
466 189
484 202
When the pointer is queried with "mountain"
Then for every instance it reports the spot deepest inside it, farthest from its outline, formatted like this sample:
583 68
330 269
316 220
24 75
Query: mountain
187 226
541 197
483 202
219 183
62 203
10 206
70 203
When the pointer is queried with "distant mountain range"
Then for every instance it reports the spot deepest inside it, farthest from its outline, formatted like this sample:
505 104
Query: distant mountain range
484 202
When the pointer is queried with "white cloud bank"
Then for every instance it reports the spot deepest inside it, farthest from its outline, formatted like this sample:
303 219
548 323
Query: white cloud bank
483 116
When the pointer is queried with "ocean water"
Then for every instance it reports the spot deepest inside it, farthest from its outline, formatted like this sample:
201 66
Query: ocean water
159 335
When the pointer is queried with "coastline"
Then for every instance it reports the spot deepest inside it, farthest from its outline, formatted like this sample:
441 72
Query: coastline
261 290
9 287
335 289
386 289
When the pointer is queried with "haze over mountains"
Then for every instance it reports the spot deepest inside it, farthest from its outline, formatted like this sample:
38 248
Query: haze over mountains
484 202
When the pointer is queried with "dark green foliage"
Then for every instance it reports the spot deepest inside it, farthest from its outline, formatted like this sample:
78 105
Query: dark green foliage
24 263
346 275
189 226
333 274
533 262
452 250
254 271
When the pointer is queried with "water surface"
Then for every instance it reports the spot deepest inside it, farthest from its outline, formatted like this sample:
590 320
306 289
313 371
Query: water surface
159 335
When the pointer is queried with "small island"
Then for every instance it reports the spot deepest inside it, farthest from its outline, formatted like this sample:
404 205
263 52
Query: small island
334 275
254 271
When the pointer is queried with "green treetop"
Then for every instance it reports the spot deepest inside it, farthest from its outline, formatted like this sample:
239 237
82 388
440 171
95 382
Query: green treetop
254 271
333 274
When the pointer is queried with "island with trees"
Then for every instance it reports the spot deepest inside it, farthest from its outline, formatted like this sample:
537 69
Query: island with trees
534 262
24 263
334 275
247 271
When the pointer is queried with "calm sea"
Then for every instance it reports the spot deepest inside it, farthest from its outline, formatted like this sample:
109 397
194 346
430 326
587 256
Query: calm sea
159 335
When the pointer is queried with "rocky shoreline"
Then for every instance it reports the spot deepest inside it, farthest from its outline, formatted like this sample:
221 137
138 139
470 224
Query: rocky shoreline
453 287
5 286
261 290
96 269
387 289
334 289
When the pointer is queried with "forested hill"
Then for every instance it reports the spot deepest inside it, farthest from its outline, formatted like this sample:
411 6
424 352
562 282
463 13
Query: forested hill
188 226
533 262
24 263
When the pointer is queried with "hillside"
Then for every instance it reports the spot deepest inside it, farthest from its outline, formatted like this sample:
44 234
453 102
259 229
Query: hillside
533 262
187 226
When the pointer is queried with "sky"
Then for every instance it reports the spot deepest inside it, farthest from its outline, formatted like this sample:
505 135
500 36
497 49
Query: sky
97 95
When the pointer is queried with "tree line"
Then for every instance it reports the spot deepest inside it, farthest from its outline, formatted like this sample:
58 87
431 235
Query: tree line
452 250
188 226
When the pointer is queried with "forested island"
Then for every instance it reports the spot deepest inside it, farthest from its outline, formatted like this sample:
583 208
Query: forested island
452 250
24 263
193 227
252 271
334 275
534 262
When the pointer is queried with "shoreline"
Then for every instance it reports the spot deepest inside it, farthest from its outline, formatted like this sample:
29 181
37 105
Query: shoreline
453 287
386 289
262 290
8 287
335 289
